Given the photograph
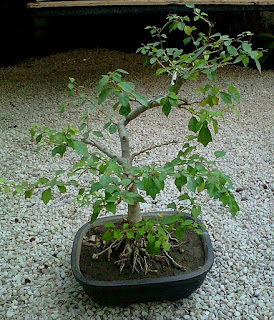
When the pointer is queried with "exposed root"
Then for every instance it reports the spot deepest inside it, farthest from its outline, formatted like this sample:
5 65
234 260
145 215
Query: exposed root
134 254
108 249
176 264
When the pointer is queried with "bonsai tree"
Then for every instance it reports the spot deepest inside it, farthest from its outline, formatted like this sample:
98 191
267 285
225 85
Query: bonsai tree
103 179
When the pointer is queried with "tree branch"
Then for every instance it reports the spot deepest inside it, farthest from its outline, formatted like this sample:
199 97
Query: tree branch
124 140
152 103
139 110
104 149
153 147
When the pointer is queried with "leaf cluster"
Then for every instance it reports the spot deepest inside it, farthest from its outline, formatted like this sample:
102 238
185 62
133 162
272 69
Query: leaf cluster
154 233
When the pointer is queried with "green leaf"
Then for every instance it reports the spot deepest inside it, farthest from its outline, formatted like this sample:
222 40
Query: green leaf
234 93
245 61
112 128
117 234
32 132
145 60
219 154
107 124
107 236
130 234
258 65
46 195
81 148
232 50
98 134
70 86
82 126
127 86
177 53
140 99
180 232
110 225
7 190
105 180
226 97
28 193
125 110
192 184
196 211
190 5
73 182
215 126
111 207
160 71
122 71
211 76
233 206
180 181
124 99
180 26
104 94
166 108
172 205
126 182
104 80
150 187
187 40
63 108
39 138
42 180
246 47
188 30
62 189
60 149
165 245
193 124
96 210
204 135
184 196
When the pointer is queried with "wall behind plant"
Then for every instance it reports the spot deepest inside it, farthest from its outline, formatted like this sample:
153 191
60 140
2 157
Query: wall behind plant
24 37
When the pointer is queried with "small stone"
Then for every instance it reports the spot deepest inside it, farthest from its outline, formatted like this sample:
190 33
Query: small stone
9 313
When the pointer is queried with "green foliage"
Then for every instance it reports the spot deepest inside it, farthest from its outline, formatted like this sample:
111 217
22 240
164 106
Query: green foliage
154 231
103 179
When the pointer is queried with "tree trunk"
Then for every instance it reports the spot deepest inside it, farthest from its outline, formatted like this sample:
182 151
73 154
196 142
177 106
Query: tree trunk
134 212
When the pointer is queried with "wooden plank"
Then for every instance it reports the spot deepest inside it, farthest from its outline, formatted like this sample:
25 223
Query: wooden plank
80 3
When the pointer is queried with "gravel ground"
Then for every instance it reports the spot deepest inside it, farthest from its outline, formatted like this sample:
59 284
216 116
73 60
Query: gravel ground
36 240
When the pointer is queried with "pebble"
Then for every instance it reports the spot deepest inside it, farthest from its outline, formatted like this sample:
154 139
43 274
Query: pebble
239 284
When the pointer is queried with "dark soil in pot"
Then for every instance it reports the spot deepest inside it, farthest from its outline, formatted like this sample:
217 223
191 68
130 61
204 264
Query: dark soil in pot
189 254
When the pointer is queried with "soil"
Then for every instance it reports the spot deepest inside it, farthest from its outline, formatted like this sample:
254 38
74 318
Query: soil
190 254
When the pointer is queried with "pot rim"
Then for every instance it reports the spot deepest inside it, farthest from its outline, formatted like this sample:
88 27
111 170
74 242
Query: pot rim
76 250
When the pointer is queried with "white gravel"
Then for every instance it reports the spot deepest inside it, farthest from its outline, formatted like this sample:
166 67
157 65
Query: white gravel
36 279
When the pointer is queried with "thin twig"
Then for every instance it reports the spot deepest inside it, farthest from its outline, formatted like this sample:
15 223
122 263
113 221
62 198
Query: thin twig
104 149
153 147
